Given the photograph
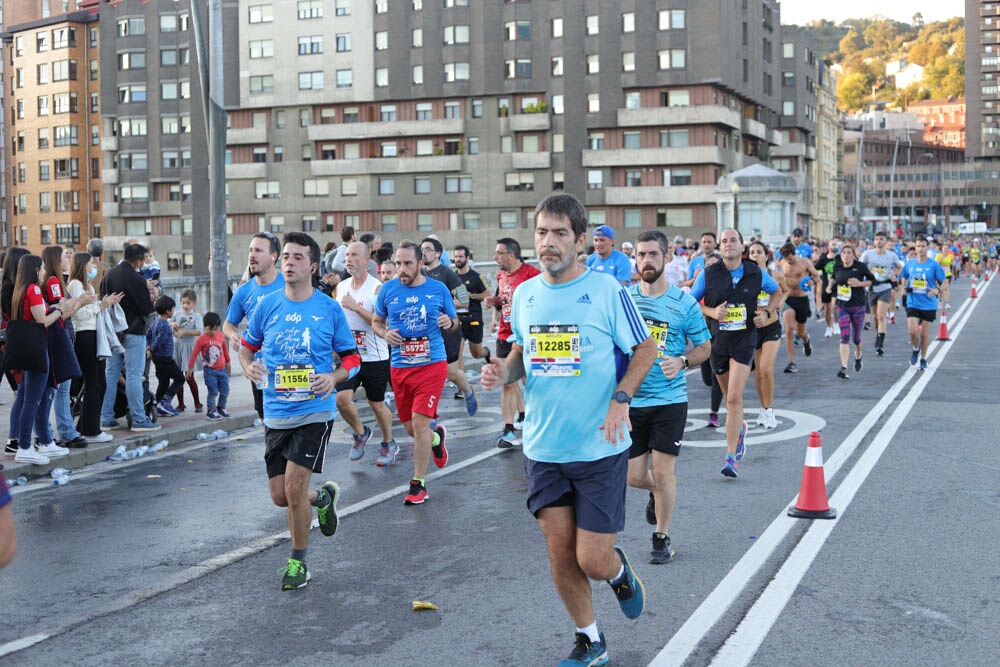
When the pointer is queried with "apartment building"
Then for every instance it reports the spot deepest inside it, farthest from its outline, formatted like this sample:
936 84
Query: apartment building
944 120
828 208
982 78
51 112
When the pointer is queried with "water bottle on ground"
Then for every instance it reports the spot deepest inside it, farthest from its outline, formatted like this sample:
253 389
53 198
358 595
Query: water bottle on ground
142 450
204 436
60 481
160 446
119 454
219 434
20 481
258 421
59 472
132 454
259 360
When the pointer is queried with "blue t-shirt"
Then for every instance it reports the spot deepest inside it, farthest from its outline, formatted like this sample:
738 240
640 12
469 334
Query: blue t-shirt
297 339
672 319
617 265
766 282
414 312
577 338
922 277
248 295
804 250
696 264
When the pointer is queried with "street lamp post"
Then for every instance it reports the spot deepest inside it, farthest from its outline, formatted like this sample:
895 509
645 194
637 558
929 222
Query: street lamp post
736 205
913 195
892 172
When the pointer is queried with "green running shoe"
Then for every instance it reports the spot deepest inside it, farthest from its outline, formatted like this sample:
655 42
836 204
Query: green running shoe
328 513
296 575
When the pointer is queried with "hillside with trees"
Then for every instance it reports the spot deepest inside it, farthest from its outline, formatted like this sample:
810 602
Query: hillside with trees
863 47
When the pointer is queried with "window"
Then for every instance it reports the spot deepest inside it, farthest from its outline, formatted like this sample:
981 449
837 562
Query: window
94 102
557 142
421 185
787 49
310 80
315 187
388 149
349 187
592 25
42 72
674 138
628 61
453 184
557 27
93 70
19 46
628 22
473 145
595 141
519 182
557 105
352 151
595 181
632 217
456 3
672 19
387 113
425 221
788 108
328 151
456 34
381 40
43 170
477 108
310 9
381 6
43 105
43 139
342 7
387 186
67 102
470 220
267 190
672 59
259 154
593 102
168 57
425 147
65 70
67 135
518 69
417 75
170 160
126 194
345 78
424 111
678 98
63 38
632 140
279 119
381 77
262 48
135 26
788 79
452 110
679 176
389 222
515 30
506 144
170 124
279 153
168 22
418 5
417 38
261 84
310 45
508 219
593 63
93 37
456 72
168 91
41 42
126 61
557 66
343 42
261 14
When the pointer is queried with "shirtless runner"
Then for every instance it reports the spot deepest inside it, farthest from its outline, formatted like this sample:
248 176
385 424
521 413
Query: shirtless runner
796 314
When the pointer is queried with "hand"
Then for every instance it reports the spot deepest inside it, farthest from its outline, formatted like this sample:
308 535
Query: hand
494 325
853 282
151 285
87 298
934 291
720 311
254 372
671 366
492 301
189 375
393 338
493 374
331 279
616 418
323 384
149 353
234 342
348 302
111 299
444 322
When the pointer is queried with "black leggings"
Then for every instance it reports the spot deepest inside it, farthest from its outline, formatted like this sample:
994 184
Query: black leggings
169 378
708 377
85 345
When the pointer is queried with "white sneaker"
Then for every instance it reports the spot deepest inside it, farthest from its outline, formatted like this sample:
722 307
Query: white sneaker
770 421
103 437
836 329
29 455
761 418
828 332
52 450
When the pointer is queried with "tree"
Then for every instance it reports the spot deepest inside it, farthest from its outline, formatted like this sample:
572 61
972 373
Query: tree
851 43
918 20
852 90
945 76
918 54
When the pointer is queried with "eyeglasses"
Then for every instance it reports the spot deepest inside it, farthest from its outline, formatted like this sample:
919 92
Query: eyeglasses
501 252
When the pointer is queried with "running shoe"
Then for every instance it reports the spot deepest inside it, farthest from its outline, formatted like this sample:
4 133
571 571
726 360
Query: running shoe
713 419
222 412
360 440
214 415
508 440
30 455
519 424
868 326
417 494
387 454
586 653
51 450
198 409
791 368
842 373
661 552
741 442
857 364
296 575
772 421
879 351
761 417
923 364
892 318
651 510
328 513
807 346
828 333
471 404
10 449
439 452
459 395
629 589
164 409
729 470
914 357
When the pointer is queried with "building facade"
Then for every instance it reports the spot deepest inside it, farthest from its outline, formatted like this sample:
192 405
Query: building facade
982 78
944 120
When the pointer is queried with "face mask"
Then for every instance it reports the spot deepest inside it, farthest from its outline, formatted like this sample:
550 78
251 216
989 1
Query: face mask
91 274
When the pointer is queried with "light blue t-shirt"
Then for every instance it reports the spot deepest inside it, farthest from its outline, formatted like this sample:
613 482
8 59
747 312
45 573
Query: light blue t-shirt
248 295
804 250
922 277
577 338
698 263
414 312
672 319
617 265
766 282
297 339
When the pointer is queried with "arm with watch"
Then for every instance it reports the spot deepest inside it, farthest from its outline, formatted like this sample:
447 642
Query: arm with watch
672 366
643 356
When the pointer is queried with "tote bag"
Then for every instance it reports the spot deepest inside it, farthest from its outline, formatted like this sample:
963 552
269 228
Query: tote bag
26 347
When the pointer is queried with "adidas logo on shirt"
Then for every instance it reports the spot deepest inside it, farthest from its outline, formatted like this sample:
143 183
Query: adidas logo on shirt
584 299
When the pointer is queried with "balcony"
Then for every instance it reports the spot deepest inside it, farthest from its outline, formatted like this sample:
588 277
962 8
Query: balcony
109 176
754 128
530 122
159 209
386 165
798 150
408 128
660 195
635 157
109 209
246 170
708 114
246 135
532 160
109 143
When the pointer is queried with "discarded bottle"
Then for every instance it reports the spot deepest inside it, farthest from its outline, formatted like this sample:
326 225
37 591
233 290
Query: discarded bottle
141 450
20 481
59 472
60 481
259 360
132 454
160 446
219 433
119 454
204 436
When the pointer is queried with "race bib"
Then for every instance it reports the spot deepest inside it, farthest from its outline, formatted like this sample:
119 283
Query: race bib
843 293
359 340
920 285
415 350
763 299
291 382
505 312
879 272
658 330
735 318
554 350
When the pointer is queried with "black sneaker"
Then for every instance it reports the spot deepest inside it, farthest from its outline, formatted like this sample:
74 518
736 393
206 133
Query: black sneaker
807 347
651 510
586 652
459 395
791 368
842 373
79 442
10 449
662 552
857 364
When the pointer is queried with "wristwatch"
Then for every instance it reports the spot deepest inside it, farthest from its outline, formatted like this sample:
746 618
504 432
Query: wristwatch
684 360
622 397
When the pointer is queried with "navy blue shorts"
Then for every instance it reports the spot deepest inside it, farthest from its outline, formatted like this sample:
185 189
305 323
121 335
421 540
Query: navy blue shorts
594 489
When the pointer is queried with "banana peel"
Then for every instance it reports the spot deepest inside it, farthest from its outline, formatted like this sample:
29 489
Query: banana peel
420 605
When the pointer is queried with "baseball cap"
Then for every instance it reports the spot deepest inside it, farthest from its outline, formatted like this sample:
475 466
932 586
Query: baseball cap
626 244
605 231
797 231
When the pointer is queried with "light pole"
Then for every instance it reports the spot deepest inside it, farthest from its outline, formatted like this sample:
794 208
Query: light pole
913 195
736 205
892 171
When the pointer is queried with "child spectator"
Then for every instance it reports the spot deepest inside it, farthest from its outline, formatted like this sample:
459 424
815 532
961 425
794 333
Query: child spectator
187 325
169 376
213 349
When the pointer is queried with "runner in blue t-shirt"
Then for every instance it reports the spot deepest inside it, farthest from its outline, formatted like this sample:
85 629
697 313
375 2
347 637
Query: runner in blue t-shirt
410 312
572 333
298 330
921 281
606 259
264 279
659 409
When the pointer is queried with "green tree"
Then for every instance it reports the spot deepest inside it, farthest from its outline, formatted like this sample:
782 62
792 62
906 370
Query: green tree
851 43
852 91
918 20
945 76
918 54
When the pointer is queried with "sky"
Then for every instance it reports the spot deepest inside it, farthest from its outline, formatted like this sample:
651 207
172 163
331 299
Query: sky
800 12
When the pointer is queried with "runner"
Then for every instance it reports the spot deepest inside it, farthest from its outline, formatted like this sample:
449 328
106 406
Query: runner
573 330
357 297
696 264
264 279
885 266
512 272
921 282
707 374
731 289
794 268
659 410
297 331
824 265
976 258
606 259
768 324
471 319
802 249
387 271
850 278
411 313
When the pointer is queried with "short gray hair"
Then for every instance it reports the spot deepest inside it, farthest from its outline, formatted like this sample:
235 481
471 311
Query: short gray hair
96 248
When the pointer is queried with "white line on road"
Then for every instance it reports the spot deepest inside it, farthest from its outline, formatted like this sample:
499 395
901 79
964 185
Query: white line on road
718 602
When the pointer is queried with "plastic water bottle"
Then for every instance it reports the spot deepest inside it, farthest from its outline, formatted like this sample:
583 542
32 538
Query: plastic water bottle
160 446
219 433
20 481
259 360
60 481
204 436
142 450
119 454
132 454
59 472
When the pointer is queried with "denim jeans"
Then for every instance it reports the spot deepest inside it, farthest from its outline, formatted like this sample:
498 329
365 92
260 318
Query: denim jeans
134 361
29 406
64 415
217 383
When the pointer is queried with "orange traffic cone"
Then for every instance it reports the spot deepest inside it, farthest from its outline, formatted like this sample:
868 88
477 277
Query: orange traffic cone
973 295
943 327
812 502
986 276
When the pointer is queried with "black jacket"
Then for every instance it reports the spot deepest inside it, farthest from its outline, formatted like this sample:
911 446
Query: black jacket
136 304
719 289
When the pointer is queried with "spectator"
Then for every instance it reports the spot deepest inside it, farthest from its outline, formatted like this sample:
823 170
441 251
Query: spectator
160 339
211 347
187 325
10 262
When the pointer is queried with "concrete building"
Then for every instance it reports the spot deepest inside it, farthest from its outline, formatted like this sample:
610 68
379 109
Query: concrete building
908 75
944 120
982 71
828 209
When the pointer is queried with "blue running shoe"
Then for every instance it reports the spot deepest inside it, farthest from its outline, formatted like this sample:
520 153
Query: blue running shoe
729 470
629 590
914 357
360 440
586 652
923 364
741 443
471 404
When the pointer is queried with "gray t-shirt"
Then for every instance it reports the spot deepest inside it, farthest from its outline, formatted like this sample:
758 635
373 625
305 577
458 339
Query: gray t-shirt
881 265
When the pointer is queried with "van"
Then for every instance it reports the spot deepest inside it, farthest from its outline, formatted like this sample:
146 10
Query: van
969 228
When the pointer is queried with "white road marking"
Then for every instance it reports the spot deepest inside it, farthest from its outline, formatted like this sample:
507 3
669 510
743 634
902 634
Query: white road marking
803 423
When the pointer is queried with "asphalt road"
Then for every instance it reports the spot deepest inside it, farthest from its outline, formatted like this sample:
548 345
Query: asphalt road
173 559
